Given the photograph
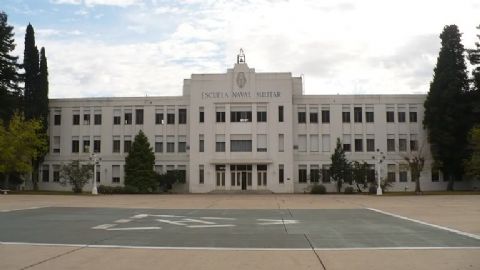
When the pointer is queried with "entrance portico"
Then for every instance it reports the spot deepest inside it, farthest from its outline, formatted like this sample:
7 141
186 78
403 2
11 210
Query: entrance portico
241 174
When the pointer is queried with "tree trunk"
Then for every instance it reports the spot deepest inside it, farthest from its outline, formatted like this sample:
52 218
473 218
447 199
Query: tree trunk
417 186
450 183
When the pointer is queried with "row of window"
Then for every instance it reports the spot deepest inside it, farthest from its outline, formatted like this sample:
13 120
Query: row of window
357 116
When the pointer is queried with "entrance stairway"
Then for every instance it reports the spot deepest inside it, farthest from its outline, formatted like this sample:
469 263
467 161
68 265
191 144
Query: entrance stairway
241 192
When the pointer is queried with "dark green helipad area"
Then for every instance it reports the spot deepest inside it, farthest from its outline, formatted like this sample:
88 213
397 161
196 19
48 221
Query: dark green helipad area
192 228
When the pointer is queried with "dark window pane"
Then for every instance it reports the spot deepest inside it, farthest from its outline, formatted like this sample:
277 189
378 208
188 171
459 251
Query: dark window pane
325 116
182 116
139 116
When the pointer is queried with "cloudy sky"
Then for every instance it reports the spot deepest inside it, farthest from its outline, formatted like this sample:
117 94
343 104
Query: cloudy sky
147 47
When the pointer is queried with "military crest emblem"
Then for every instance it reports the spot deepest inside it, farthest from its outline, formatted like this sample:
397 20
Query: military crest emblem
241 79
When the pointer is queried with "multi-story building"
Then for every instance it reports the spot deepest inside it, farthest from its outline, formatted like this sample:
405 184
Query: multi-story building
243 130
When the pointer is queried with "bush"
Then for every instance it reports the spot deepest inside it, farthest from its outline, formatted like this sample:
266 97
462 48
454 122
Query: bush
130 190
372 190
349 190
318 189
111 190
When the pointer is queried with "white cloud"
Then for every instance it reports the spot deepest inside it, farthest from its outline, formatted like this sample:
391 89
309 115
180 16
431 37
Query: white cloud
90 3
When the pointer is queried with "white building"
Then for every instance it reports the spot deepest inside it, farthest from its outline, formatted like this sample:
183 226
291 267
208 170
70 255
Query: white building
242 130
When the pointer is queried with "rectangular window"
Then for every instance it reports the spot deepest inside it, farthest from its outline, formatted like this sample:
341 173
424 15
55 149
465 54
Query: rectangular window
403 173
281 142
117 116
413 142
219 143
159 117
346 117
116 144
302 143
96 144
325 116
302 173
86 144
369 116
325 142
262 175
358 143
302 115
413 117
280 113
347 141
357 114
45 173
159 144
86 118
128 116
370 143
261 142
170 144
402 142
97 176
201 143
201 174
56 173
115 173
127 143
240 143
138 116
56 144
170 116
390 116
391 176
390 143
262 116
401 117
314 143
314 174
75 145
281 173
313 115
240 116
57 118
201 115
325 173
220 175
435 175
182 116
220 117
76 118
182 144
97 118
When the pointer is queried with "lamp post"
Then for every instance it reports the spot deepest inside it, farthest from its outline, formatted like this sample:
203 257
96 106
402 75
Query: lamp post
380 159
95 160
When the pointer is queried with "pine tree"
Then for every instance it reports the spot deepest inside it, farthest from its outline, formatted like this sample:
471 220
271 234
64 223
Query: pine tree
474 94
139 173
31 66
446 108
42 97
340 170
9 77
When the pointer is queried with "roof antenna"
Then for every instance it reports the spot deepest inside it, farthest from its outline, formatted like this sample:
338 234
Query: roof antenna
241 57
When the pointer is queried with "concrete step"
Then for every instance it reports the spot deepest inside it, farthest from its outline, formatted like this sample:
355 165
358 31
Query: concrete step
241 192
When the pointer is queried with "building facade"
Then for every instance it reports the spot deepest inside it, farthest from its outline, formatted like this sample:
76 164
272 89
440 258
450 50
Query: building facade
243 130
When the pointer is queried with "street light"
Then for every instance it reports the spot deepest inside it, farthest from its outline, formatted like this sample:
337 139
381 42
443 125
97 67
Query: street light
95 160
380 159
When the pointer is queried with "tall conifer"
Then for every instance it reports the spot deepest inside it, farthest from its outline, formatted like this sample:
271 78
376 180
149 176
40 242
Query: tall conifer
31 66
446 113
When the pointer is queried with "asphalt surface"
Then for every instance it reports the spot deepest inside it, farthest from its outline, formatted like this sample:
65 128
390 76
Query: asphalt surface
215 228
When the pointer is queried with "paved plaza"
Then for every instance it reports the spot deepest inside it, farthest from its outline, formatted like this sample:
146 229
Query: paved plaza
216 232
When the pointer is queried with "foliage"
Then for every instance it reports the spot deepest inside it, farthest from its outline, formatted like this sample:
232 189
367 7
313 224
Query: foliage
372 189
76 174
340 169
360 174
416 162
20 142
139 165
446 112
102 189
10 90
472 165
167 180
318 189
349 190
474 57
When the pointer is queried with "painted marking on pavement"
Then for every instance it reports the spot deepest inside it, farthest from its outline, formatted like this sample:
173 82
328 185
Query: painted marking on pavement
123 221
471 235
219 218
104 226
20 209
134 229
277 221
211 226
140 216
171 222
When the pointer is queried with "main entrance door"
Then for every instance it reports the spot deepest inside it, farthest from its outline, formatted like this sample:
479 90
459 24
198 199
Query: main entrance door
241 176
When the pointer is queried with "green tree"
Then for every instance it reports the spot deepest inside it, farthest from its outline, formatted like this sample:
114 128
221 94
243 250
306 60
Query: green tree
139 164
76 174
446 112
474 57
340 169
472 165
31 66
19 144
360 174
9 77
416 162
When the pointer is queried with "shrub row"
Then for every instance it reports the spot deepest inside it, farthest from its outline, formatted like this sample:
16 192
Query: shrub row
321 189
117 190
